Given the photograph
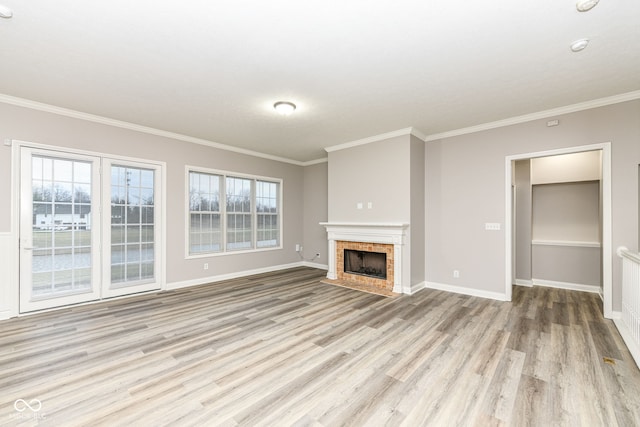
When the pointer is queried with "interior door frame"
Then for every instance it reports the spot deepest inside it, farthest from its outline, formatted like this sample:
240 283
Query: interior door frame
607 252
16 146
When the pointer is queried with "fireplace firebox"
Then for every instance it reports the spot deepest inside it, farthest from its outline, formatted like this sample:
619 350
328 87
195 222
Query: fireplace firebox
364 263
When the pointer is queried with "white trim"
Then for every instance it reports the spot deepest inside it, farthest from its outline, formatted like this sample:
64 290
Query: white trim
8 285
521 282
601 102
566 285
39 106
315 265
229 276
616 315
627 337
401 132
315 162
466 291
417 287
573 108
384 233
607 254
565 243
623 252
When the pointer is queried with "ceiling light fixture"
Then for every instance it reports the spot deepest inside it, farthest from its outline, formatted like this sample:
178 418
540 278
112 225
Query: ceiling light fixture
586 5
285 108
5 12
579 45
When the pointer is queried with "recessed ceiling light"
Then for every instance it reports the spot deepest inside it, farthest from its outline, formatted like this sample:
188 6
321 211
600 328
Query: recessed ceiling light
284 107
579 45
586 5
5 12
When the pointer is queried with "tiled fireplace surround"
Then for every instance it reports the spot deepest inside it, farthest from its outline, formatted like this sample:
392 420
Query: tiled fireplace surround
388 238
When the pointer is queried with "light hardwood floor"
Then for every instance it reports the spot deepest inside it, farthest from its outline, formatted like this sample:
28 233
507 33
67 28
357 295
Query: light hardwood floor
284 349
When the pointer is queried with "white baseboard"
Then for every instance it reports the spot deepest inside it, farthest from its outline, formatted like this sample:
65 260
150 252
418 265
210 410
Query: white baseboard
238 274
522 282
566 285
8 276
633 347
416 287
466 291
315 265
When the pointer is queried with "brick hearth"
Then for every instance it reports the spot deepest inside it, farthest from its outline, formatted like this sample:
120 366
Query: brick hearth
357 279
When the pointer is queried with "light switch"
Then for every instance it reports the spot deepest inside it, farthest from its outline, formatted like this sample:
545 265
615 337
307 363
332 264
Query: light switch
359 205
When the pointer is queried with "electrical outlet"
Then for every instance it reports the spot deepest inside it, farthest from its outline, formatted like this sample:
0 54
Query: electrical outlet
298 249
317 255
456 274
206 265
493 226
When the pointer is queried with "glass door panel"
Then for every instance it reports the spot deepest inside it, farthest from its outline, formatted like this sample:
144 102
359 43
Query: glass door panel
132 237
59 254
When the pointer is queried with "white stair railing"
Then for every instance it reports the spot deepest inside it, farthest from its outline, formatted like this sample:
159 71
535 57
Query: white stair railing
629 324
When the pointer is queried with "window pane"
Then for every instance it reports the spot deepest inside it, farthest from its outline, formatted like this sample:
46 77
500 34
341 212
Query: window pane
204 217
132 205
267 212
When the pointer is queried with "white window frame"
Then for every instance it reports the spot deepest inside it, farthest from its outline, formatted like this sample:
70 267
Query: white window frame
223 212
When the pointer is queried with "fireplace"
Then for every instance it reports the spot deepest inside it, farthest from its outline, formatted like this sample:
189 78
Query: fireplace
382 239
364 263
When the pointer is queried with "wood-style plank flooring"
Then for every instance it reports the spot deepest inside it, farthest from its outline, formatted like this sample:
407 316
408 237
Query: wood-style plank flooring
284 349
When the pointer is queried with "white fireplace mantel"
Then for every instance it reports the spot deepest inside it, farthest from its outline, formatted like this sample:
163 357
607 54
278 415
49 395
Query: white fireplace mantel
391 233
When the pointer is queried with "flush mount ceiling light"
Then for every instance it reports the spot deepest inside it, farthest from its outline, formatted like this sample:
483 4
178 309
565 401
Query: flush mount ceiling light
586 5
579 45
5 12
285 108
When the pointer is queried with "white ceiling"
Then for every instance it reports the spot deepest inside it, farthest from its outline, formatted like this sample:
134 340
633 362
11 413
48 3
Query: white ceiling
355 68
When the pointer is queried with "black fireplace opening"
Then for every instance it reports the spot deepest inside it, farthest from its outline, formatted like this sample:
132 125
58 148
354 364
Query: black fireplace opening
364 263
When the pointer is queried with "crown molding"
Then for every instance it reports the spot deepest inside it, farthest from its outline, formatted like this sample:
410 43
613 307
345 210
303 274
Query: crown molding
401 132
315 162
573 108
39 106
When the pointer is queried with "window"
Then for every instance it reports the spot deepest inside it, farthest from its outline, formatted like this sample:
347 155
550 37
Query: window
204 213
268 229
239 215
231 213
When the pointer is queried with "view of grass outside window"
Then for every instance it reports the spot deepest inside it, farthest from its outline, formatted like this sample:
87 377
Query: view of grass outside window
268 229
61 226
239 227
243 211
132 224
204 213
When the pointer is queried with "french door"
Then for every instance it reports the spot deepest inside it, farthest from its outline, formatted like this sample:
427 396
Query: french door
89 228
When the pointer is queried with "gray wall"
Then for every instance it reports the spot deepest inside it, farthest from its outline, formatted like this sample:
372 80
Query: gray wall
46 128
417 211
522 226
568 212
390 175
465 188
378 172
316 208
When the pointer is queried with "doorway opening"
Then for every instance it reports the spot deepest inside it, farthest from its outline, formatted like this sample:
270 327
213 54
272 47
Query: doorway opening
593 239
